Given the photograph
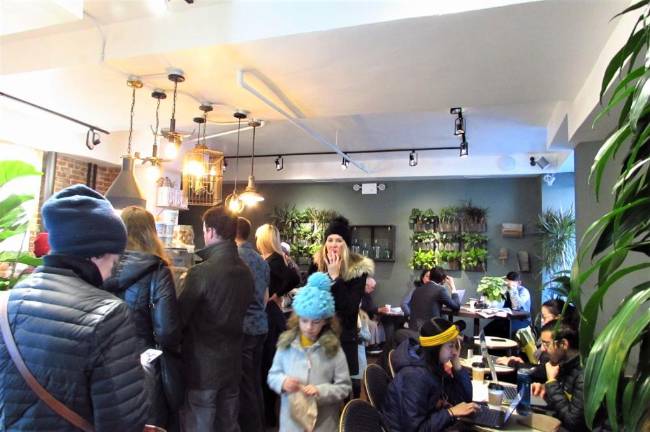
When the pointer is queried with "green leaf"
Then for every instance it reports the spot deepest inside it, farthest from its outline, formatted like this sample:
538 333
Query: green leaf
640 103
635 6
607 358
11 169
633 44
604 153
621 91
13 201
5 234
616 99
22 258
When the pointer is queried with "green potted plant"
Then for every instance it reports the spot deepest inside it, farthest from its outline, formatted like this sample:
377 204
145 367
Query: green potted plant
474 259
429 218
474 219
494 289
14 221
557 241
473 240
448 219
414 217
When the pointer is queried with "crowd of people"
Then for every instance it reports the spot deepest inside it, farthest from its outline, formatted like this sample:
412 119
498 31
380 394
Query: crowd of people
106 343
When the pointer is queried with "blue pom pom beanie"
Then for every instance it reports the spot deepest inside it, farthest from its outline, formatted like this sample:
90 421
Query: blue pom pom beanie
314 300
82 223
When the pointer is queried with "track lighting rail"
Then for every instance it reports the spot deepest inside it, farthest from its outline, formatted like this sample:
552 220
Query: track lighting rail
392 150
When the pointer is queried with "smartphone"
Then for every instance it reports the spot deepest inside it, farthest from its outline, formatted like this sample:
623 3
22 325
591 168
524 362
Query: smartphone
149 356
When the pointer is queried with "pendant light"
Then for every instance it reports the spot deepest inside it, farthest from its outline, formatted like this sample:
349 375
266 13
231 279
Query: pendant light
233 201
125 191
174 137
154 171
251 196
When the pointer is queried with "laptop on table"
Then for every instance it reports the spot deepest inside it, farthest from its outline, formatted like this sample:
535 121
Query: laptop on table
509 393
492 418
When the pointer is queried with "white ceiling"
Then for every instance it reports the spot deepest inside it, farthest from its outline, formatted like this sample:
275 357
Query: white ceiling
387 84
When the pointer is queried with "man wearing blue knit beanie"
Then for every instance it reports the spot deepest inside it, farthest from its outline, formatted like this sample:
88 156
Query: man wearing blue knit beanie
76 339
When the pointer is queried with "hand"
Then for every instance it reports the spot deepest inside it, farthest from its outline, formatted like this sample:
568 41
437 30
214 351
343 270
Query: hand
450 283
507 360
455 362
310 390
383 310
291 385
552 371
333 262
537 389
464 409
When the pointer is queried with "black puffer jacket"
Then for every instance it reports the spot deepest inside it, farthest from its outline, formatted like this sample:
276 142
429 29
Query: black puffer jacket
131 281
80 344
565 396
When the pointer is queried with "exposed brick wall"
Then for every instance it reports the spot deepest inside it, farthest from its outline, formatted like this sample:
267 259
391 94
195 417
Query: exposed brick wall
105 177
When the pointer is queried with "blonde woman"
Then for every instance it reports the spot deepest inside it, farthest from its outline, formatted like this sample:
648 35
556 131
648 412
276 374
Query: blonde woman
143 280
283 279
348 272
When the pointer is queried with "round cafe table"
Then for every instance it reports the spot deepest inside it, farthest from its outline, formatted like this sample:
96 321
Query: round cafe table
499 369
496 343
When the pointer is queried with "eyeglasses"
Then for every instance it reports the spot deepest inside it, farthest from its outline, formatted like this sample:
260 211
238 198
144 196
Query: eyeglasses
547 344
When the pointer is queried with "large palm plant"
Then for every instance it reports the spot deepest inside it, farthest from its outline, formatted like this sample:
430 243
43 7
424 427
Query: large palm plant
621 233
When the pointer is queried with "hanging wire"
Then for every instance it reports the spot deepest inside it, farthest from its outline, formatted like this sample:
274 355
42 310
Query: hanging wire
253 151
131 122
173 128
155 133
237 164
205 124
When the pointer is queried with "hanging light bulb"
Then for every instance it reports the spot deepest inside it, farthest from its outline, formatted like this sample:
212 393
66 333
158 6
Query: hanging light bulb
153 172
233 202
251 196
174 137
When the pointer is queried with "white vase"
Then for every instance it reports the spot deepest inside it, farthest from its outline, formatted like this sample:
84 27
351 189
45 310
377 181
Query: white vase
495 303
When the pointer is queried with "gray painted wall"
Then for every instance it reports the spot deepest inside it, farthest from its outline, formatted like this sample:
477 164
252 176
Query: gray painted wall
509 200
561 195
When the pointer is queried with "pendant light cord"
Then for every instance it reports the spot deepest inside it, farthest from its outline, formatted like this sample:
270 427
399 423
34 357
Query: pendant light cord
253 152
131 122
155 133
237 163
174 106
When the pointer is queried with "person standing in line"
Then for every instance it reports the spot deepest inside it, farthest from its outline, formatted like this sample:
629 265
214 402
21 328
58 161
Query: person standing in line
309 358
255 329
78 340
213 305
348 272
142 278
283 279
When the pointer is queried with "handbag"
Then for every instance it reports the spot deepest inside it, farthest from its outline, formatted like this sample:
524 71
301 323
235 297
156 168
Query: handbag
303 410
171 365
49 400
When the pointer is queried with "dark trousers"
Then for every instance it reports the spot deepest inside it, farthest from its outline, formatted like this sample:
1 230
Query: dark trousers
277 324
251 414
212 410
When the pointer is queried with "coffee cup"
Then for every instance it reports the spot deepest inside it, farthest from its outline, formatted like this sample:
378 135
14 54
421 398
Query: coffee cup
472 303
495 396
387 306
478 372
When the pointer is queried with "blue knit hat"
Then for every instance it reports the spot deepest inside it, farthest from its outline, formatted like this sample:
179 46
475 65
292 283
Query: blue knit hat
314 300
81 222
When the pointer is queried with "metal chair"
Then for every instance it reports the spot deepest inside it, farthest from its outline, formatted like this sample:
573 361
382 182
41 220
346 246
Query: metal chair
375 381
359 416
390 363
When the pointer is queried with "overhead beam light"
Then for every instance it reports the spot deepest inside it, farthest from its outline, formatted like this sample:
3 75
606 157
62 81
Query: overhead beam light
413 158
459 123
345 163
279 163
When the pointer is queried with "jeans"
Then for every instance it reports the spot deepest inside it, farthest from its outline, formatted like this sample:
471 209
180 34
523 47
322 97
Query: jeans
211 410
250 388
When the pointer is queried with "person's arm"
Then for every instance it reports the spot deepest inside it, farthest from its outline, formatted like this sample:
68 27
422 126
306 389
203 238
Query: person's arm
417 414
119 398
406 302
570 411
452 302
165 315
190 297
277 374
461 387
340 386
520 299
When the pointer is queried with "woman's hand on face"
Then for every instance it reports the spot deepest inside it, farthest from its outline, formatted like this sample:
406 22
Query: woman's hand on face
310 390
291 385
464 409
333 265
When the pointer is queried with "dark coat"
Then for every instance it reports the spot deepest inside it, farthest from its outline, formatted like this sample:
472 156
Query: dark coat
213 304
565 396
80 344
283 277
131 281
415 398
136 278
427 301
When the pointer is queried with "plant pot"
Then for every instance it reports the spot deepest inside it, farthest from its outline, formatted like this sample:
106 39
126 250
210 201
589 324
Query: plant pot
451 265
448 227
477 268
495 303
474 227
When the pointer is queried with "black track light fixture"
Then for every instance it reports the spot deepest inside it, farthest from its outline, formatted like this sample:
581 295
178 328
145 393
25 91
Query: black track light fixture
459 123
464 147
279 163
344 163
413 158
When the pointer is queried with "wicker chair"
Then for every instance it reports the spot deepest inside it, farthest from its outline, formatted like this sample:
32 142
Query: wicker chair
391 368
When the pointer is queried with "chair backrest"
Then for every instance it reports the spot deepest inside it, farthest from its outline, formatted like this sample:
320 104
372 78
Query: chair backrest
359 416
390 363
375 380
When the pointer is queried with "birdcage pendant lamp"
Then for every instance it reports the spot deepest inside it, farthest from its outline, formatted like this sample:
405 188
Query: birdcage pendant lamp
202 170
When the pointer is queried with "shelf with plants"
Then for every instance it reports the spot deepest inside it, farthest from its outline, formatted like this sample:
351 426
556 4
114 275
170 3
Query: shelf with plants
452 239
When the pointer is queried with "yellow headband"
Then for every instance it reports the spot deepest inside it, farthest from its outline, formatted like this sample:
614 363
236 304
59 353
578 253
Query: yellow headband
446 336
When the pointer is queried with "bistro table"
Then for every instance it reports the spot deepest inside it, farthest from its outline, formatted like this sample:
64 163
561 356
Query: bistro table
465 312
391 319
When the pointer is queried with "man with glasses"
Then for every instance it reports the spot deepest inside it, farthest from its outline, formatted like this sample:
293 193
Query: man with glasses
563 390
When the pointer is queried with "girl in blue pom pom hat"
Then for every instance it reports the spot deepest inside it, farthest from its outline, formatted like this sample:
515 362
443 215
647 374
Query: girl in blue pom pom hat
309 367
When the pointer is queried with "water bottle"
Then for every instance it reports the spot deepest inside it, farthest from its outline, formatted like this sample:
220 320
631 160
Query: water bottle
523 388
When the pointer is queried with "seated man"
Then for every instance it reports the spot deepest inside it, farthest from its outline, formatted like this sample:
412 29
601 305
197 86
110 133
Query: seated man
563 391
424 396
517 299
428 299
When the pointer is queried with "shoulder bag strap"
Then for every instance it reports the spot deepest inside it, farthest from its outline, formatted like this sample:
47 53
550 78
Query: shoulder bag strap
49 400
152 305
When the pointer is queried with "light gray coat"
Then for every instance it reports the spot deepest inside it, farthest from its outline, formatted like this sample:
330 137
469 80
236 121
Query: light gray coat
323 365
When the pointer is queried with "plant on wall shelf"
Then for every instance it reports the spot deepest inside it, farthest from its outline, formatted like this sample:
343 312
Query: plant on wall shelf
14 221
474 259
622 232
429 217
414 216
492 287
472 217
473 240
448 219
423 260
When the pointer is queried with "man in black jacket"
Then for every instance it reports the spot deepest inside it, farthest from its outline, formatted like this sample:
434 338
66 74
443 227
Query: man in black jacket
76 339
213 304
563 391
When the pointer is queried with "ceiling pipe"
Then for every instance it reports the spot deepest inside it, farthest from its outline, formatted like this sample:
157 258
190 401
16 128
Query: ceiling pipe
293 120
233 131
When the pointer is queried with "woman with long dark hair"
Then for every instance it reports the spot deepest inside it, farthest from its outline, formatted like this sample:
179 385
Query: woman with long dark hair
142 278
431 388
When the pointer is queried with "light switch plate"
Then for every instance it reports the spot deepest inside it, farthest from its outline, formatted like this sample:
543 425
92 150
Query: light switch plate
369 189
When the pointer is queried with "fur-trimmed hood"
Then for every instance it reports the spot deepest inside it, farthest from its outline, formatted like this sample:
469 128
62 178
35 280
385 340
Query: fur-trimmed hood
359 265
328 340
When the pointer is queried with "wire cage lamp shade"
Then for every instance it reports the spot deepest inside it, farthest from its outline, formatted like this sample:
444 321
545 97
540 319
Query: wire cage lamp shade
203 176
